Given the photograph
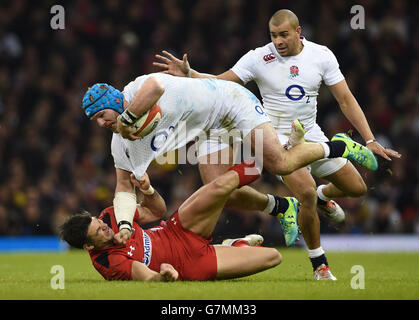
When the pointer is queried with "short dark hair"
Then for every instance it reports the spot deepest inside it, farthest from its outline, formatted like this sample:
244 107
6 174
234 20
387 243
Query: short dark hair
74 230
283 15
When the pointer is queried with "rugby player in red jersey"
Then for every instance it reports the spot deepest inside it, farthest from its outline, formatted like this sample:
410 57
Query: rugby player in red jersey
179 249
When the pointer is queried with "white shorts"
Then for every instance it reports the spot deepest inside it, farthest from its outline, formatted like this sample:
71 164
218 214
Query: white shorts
215 142
245 114
323 167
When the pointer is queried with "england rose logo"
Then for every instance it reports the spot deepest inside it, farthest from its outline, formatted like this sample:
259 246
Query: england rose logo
293 72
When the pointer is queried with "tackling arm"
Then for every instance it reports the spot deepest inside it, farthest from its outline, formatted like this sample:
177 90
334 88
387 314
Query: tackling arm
125 203
181 68
153 206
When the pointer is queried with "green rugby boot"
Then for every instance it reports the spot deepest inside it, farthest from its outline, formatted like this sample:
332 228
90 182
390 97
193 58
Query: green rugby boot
296 135
288 221
357 152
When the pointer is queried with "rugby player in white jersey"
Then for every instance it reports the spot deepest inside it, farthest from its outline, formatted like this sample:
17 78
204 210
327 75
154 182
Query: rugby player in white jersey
289 72
190 107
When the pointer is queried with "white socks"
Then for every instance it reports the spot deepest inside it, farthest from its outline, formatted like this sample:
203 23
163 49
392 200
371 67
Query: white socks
326 149
320 193
271 204
315 252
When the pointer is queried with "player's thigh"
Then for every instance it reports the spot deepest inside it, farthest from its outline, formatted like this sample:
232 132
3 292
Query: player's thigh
241 261
200 212
209 172
265 146
204 201
349 180
214 158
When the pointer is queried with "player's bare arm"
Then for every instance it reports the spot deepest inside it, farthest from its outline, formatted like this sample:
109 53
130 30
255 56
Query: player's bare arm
176 67
353 112
125 203
172 65
140 272
152 206
146 97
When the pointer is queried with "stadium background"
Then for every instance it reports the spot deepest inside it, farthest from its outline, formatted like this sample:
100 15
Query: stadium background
54 162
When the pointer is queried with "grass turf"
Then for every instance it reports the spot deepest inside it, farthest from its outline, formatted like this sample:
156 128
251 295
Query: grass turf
387 276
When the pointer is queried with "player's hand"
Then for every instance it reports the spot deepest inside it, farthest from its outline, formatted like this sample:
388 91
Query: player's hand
172 65
121 237
143 183
168 273
124 130
377 148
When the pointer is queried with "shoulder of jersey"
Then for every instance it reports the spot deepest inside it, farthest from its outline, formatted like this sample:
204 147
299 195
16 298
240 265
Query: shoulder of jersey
317 48
129 88
264 54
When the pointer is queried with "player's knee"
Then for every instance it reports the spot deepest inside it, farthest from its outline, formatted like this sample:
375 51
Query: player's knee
276 163
279 168
278 257
236 199
358 189
222 187
274 258
308 197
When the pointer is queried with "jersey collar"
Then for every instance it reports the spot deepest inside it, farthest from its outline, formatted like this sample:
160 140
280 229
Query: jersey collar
278 56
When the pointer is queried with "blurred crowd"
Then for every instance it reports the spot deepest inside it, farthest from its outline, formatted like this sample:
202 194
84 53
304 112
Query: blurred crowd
54 162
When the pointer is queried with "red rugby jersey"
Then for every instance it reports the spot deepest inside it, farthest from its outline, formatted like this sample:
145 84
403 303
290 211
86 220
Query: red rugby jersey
115 262
191 255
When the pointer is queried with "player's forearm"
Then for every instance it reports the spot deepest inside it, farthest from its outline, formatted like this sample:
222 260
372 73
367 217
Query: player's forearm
195 74
356 116
155 203
145 274
146 97
141 272
125 204
154 277
125 200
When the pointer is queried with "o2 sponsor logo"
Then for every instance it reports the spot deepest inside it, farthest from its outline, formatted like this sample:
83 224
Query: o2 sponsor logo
160 138
293 97
259 110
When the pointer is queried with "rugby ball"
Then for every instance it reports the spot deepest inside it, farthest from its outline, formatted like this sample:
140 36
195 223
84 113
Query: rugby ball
147 122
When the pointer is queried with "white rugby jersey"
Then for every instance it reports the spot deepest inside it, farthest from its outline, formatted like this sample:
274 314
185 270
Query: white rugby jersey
190 107
289 85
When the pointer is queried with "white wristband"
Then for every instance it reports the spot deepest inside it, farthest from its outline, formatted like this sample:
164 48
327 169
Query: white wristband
149 191
370 141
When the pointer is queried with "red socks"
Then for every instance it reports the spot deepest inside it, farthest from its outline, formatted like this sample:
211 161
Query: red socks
248 172
240 243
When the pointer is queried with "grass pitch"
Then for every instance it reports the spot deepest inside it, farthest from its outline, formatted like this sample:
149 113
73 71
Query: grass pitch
388 276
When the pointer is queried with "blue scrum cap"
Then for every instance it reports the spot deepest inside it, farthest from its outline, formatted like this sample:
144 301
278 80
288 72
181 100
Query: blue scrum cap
102 96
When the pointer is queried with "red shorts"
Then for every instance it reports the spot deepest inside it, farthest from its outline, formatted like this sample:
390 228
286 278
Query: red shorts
190 254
